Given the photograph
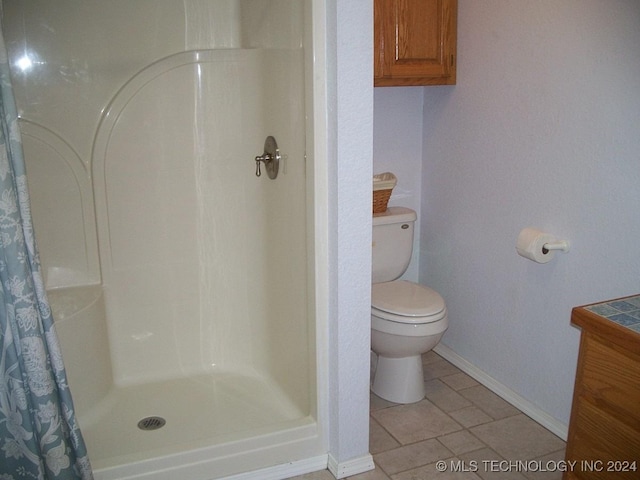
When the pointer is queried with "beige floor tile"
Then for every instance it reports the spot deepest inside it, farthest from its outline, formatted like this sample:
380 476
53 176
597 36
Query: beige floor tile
412 456
458 381
470 416
444 397
432 472
486 464
438 368
489 402
518 438
379 438
403 438
376 474
376 403
461 442
549 467
415 422
430 357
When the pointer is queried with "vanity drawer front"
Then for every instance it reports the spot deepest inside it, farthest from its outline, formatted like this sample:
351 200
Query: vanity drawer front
604 447
611 380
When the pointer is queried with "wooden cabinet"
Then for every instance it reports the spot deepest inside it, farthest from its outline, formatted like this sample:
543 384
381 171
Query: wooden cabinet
604 430
415 42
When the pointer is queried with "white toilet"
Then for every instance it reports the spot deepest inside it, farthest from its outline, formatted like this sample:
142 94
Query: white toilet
407 319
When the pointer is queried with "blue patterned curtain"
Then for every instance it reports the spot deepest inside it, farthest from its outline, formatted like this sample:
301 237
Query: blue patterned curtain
39 436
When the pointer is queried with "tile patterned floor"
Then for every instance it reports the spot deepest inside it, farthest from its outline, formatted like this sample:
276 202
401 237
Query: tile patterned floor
461 423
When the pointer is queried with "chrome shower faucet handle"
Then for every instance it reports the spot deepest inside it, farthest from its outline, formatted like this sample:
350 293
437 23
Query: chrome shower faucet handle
270 158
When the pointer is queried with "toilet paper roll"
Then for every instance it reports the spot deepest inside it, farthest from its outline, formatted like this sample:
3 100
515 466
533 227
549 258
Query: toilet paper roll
531 245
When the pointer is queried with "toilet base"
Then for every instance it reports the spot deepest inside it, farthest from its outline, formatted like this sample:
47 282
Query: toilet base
399 380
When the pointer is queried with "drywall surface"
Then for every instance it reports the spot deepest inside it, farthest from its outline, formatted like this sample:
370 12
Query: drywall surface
541 130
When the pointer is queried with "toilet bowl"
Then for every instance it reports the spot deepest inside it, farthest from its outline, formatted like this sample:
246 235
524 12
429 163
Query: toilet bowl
407 320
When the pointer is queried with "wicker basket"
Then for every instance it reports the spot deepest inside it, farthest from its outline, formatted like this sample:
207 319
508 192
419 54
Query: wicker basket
383 185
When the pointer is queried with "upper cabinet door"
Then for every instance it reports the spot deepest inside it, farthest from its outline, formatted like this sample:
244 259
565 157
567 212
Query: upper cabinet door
415 42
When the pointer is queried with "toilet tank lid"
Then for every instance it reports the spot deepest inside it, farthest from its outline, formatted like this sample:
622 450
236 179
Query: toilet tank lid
395 215
410 299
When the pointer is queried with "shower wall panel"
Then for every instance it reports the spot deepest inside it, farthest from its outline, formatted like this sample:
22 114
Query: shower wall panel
203 264
68 59
182 215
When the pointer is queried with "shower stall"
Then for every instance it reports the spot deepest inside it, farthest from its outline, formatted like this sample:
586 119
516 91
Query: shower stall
182 283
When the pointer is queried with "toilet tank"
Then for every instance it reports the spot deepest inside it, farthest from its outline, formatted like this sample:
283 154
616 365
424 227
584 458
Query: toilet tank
392 243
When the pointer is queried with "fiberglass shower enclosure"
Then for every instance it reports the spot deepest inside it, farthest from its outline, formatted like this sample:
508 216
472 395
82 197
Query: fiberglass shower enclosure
179 279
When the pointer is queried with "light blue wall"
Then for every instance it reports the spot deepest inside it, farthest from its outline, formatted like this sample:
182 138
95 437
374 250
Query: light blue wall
541 130
397 148
350 145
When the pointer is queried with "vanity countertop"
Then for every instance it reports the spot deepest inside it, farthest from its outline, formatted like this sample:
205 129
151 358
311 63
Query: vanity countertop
618 319
604 429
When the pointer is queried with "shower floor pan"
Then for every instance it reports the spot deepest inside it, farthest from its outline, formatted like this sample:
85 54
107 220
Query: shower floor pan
198 412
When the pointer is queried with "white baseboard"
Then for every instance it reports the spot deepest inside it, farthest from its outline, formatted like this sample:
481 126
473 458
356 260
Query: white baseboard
525 406
351 467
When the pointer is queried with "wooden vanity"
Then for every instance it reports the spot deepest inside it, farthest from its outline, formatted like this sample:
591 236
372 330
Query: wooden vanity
604 430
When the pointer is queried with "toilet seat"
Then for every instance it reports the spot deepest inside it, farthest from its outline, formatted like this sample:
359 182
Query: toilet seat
406 302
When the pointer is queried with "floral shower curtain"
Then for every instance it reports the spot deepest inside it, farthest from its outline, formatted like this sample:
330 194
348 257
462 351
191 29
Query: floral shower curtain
39 436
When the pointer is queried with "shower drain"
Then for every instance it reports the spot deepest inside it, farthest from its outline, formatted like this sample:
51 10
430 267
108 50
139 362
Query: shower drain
151 423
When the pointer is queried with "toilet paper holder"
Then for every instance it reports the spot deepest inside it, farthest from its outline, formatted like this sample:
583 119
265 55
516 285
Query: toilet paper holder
563 246
539 246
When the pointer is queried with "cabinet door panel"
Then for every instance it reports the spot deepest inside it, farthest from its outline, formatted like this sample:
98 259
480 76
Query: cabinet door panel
418 30
415 42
